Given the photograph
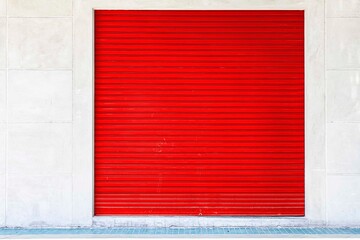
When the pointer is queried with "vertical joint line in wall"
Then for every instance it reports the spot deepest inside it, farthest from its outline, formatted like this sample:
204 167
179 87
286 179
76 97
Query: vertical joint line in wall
72 112
6 110
325 117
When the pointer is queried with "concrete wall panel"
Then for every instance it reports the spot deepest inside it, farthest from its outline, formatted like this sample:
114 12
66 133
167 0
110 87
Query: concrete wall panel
39 8
40 43
34 200
39 96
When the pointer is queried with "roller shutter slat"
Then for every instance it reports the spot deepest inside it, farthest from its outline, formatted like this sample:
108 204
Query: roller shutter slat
199 112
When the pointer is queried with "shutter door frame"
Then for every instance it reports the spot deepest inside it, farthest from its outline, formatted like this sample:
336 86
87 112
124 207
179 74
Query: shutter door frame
83 120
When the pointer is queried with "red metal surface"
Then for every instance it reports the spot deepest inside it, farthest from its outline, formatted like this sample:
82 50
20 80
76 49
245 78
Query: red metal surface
199 113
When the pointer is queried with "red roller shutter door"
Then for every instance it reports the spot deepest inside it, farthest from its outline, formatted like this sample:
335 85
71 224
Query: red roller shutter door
199 113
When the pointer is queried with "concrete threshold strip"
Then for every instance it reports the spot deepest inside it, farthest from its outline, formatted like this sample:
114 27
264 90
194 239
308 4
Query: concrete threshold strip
245 232
42 237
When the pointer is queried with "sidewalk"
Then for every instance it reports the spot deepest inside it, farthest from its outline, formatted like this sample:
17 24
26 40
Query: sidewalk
179 232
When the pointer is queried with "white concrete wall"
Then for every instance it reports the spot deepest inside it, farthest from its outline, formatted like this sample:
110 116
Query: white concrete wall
36 112
343 111
38 184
